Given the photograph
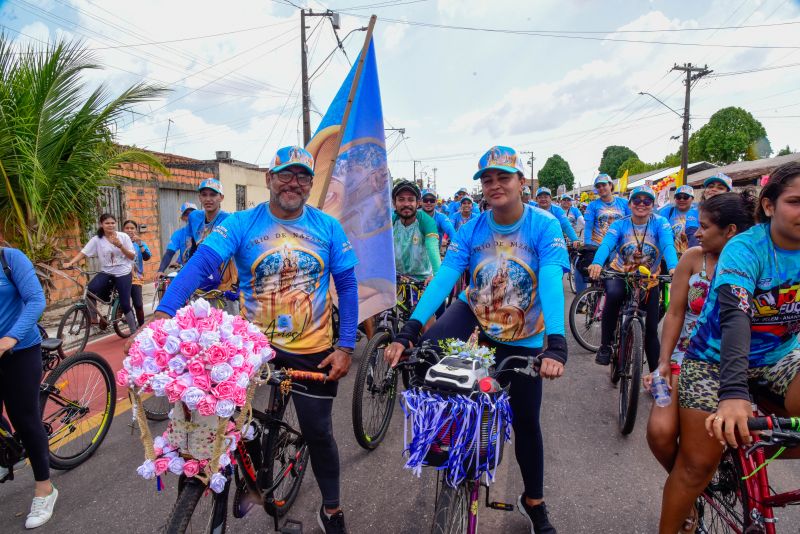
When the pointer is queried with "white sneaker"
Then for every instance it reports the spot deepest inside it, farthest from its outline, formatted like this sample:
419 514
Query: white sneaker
41 510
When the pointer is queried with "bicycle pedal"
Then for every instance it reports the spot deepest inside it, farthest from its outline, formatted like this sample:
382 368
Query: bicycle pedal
502 506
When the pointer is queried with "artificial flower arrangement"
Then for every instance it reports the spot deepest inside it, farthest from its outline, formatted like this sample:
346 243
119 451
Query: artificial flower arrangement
468 350
207 363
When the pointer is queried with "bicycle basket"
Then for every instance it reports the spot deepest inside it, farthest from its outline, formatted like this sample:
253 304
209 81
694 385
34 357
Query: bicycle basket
461 434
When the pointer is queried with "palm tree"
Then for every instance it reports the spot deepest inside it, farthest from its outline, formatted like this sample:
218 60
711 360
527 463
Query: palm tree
56 142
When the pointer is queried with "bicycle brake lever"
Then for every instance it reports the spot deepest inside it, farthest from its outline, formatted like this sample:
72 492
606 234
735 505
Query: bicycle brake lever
758 445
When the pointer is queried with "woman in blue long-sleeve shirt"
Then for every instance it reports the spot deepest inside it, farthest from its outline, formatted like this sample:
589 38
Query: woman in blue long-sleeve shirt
143 254
21 304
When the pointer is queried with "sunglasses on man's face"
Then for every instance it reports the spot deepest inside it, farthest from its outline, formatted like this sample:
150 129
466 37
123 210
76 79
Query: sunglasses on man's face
285 177
639 201
682 197
429 200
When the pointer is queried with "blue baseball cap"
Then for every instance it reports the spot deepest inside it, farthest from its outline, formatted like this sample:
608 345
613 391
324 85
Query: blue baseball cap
429 193
502 158
603 179
212 184
544 191
685 190
187 206
566 197
643 190
721 178
526 190
465 198
292 155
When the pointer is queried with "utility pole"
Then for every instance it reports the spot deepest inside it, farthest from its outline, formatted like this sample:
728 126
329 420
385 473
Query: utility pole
531 159
434 179
692 74
415 169
166 138
304 64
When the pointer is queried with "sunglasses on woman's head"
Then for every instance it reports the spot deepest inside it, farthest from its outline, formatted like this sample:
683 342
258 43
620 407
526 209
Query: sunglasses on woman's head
638 201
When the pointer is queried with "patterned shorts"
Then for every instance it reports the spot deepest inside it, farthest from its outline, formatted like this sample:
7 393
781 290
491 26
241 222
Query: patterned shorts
699 381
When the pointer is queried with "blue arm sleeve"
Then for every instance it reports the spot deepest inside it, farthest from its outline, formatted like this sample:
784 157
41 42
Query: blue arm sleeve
604 250
165 260
587 229
432 247
567 228
441 286
347 288
146 254
551 294
30 290
203 263
667 242
448 228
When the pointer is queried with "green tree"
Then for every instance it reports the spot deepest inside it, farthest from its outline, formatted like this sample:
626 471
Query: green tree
56 142
613 156
634 166
785 151
555 172
732 134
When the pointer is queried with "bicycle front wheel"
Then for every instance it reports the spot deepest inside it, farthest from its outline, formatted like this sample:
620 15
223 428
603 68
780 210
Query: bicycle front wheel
723 507
73 329
630 372
452 509
195 514
374 394
286 455
77 403
585 314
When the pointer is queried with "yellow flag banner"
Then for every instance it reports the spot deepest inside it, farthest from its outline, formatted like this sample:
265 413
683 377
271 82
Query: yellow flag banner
679 178
623 182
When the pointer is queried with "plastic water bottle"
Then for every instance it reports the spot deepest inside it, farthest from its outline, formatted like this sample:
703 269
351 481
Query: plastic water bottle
660 390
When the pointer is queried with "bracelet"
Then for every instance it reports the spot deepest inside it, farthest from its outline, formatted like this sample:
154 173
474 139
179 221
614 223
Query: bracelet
346 350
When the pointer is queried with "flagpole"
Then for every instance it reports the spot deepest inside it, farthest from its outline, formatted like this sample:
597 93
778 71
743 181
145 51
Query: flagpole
350 97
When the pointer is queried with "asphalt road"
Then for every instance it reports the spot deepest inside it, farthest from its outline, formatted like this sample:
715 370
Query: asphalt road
595 479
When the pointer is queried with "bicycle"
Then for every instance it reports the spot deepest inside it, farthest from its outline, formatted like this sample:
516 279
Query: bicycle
269 468
77 399
375 387
74 327
628 361
163 282
586 309
456 508
739 498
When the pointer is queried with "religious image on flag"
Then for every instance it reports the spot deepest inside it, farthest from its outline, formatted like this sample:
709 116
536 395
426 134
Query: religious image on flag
358 193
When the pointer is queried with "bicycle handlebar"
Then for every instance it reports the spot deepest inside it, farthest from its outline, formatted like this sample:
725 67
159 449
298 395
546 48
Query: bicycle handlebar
771 422
432 356
279 375
606 274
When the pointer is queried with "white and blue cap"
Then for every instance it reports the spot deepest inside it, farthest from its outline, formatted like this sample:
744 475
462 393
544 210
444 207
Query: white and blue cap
603 179
566 197
544 191
685 190
526 190
187 206
466 198
721 178
502 158
292 155
428 193
643 190
211 183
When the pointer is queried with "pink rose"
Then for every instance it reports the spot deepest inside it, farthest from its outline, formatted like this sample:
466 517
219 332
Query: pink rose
207 405
196 367
144 377
189 348
186 320
161 357
224 390
202 381
135 356
191 468
160 337
123 378
240 396
239 326
174 390
158 451
162 464
207 324
217 354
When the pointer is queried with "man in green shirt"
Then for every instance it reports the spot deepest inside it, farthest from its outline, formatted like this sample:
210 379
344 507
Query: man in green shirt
416 240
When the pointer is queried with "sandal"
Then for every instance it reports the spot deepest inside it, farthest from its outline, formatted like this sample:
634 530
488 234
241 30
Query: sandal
690 523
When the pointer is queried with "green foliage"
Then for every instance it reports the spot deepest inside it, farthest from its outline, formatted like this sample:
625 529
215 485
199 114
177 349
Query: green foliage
613 157
555 172
56 145
634 166
785 151
732 134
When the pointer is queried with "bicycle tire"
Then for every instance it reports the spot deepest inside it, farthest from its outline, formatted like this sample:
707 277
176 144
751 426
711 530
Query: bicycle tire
73 329
373 387
450 515
60 413
120 323
185 510
582 325
156 408
630 372
284 446
571 275
724 504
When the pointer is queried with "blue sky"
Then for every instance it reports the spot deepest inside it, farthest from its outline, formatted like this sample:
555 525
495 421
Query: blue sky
455 91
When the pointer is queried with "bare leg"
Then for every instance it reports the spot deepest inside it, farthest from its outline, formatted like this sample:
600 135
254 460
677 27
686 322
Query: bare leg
369 327
663 429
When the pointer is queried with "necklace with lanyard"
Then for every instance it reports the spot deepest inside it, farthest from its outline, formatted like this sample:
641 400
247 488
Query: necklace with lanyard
637 255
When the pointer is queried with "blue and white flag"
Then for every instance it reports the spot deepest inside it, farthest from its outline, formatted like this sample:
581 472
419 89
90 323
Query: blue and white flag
359 193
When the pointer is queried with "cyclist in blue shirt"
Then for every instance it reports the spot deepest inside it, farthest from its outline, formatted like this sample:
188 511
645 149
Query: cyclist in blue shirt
683 218
180 242
574 215
443 225
455 204
544 199
714 185
526 196
465 214
640 239
747 330
287 252
516 257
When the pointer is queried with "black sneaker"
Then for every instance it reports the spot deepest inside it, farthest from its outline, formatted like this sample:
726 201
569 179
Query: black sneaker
536 516
333 524
603 356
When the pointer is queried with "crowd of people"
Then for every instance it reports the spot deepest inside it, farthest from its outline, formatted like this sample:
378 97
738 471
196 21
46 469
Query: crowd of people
734 307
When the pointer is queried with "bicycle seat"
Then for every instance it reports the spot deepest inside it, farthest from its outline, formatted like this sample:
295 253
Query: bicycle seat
767 400
51 344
